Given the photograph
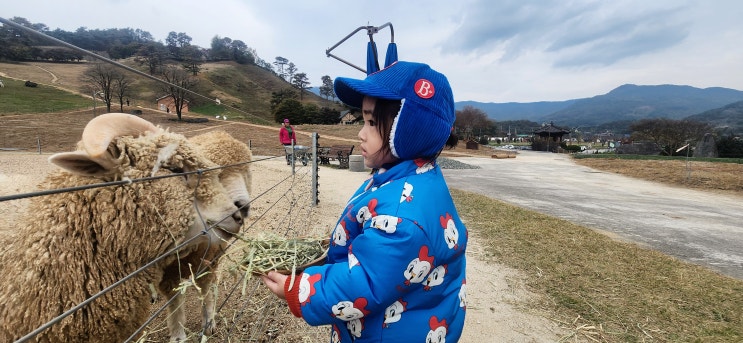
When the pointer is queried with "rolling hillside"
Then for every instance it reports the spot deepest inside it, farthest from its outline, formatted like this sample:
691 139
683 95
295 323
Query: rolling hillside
729 117
625 103
633 102
244 90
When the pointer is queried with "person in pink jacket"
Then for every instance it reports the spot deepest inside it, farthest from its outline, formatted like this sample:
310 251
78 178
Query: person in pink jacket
287 136
395 271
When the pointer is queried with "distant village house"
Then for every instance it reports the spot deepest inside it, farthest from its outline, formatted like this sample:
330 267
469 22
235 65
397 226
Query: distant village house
167 103
350 117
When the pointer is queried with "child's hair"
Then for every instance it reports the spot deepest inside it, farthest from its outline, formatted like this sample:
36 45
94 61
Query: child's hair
384 114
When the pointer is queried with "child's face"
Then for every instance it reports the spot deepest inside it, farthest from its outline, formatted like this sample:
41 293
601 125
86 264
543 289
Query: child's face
371 140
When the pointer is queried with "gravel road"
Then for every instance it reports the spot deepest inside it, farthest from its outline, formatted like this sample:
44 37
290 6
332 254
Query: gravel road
700 227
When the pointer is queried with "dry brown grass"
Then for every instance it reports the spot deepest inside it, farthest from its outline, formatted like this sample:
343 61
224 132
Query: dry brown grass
602 290
711 176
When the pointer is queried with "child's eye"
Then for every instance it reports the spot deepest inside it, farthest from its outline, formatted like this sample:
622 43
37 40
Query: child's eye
372 123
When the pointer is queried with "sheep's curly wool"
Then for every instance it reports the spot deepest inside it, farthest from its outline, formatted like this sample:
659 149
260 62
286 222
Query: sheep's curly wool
69 246
224 150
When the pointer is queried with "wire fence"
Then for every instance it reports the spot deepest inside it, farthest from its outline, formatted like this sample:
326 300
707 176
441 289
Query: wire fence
283 204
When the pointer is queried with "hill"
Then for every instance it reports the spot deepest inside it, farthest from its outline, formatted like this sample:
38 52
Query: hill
533 111
633 102
625 103
729 117
244 90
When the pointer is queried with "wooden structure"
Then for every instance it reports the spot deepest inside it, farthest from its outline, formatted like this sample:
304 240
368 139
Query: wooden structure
349 117
167 103
335 152
548 137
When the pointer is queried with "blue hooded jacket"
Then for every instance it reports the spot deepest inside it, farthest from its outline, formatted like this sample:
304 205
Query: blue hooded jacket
396 263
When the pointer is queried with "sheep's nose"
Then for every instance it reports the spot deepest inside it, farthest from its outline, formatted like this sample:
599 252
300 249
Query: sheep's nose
238 218
243 211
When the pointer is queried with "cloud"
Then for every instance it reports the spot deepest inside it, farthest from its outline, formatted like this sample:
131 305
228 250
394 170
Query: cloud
572 34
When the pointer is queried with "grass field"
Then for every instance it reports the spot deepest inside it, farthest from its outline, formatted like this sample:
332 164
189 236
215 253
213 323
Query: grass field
605 290
15 97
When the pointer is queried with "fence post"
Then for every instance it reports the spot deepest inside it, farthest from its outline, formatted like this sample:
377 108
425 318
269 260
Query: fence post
315 169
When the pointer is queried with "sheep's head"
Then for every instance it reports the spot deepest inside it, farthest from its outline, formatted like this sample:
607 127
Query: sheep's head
117 146
223 149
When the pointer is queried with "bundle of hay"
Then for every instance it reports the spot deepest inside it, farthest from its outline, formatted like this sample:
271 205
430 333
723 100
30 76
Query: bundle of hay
286 256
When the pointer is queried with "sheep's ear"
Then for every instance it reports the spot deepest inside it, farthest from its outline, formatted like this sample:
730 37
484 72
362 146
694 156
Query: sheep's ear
78 162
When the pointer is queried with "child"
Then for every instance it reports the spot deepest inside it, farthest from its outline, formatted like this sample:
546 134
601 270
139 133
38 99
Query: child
396 265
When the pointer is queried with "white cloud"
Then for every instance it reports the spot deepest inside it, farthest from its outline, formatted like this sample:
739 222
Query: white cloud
502 51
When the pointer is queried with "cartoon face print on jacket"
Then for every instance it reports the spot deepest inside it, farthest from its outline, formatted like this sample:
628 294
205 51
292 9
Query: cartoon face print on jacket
367 212
347 310
385 223
393 313
340 234
463 295
451 234
407 193
307 287
437 334
419 267
435 278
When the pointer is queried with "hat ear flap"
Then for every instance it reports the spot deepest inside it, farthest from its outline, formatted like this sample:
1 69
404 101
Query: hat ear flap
417 132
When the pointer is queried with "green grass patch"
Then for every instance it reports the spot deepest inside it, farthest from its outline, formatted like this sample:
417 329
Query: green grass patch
622 292
15 97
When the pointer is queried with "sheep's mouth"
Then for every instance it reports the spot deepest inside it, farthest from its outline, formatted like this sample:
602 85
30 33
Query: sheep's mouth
226 229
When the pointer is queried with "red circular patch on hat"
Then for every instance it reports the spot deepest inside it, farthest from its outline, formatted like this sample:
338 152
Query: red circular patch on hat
424 88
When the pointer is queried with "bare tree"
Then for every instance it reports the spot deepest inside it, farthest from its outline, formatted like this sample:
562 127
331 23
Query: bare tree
121 85
100 78
178 87
668 134
471 121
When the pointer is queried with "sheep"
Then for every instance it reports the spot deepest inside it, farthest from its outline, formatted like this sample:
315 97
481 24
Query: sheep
224 150
71 245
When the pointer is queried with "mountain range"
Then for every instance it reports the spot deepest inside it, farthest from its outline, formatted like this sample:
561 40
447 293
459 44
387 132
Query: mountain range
717 105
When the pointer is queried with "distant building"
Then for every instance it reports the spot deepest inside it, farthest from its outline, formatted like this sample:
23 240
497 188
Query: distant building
167 103
550 132
349 117
548 137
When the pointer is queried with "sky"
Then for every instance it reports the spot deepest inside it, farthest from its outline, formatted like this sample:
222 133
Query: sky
491 51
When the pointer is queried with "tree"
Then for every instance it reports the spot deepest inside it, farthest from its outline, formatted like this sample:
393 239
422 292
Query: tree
327 89
193 58
280 63
278 97
291 70
291 109
220 49
241 53
178 87
471 122
121 85
153 55
668 134
176 42
100 78
301 82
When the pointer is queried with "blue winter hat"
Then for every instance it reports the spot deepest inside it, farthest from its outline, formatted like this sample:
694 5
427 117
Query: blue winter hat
426 117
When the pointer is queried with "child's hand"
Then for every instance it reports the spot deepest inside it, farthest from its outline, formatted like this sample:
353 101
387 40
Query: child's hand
275 282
